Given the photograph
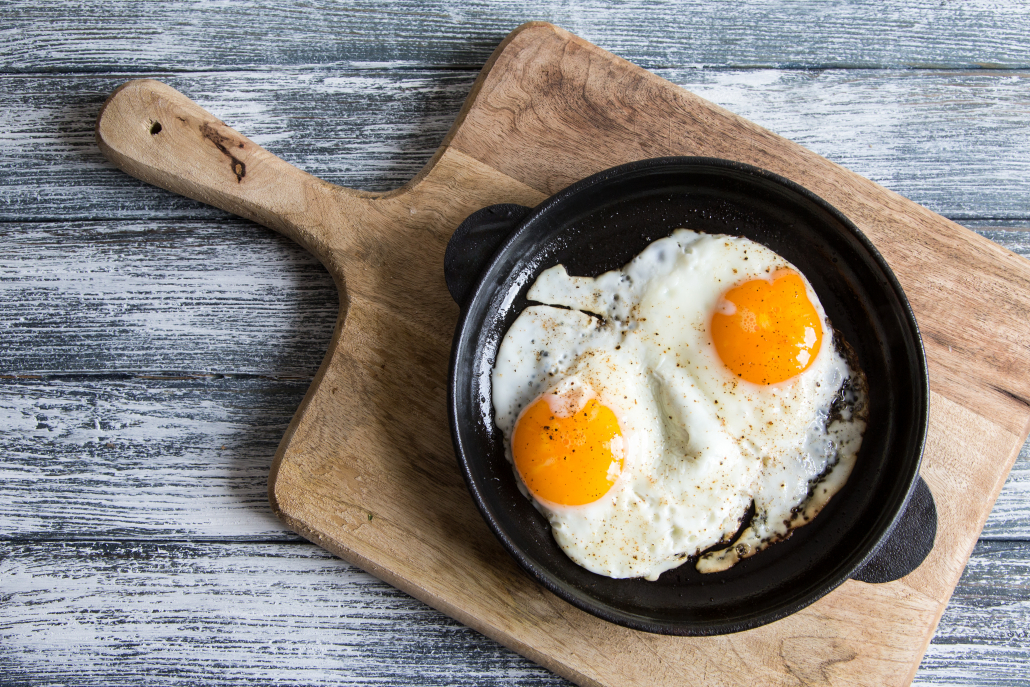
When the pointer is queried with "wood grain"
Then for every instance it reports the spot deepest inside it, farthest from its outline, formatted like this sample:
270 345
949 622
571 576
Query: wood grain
343 477
949 140
224 297
228 614
140 297
199 37
295 614
82 453
197 449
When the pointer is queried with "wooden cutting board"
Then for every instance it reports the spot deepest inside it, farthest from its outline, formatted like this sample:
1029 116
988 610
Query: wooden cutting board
366 468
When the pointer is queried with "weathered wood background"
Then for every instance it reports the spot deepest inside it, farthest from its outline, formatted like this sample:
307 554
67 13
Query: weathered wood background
153 350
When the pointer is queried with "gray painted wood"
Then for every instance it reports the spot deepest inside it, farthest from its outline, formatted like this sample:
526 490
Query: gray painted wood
186 613
1010 518
142 456
126 35
984 636
953 141
226 297
135 614
144 384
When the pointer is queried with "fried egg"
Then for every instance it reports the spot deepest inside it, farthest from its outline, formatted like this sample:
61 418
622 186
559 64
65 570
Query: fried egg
647 411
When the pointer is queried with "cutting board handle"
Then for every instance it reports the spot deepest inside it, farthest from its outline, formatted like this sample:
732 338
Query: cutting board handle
155 133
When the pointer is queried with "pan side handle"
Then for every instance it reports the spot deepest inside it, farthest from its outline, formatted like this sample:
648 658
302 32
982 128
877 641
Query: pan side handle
155 133
474 242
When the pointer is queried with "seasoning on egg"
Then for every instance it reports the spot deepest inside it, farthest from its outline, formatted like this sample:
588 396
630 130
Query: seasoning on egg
649 410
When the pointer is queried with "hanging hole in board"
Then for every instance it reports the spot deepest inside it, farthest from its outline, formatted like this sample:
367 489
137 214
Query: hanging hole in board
155 128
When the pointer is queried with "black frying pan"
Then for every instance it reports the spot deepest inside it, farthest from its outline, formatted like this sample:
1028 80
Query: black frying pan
601 223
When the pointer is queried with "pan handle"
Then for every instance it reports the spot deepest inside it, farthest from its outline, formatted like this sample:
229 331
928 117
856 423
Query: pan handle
474 242
153 132
908 543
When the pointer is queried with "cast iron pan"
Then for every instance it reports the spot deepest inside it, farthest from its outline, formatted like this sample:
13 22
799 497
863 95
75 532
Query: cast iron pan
600 224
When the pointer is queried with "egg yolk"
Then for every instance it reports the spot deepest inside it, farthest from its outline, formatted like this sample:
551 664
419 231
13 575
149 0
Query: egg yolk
767 331
568 460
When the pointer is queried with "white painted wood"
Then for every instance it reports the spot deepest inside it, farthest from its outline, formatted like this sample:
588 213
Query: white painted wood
953 141
222 297
984 636
226 297
132 329
151 356
142 457
444 33
137 613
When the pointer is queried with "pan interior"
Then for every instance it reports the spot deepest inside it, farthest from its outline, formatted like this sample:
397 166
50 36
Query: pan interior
602 223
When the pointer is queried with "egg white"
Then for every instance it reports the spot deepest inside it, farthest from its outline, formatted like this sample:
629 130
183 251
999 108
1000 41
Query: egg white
701 444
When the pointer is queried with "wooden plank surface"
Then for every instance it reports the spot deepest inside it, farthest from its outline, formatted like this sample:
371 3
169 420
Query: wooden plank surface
375 138
949 140
82 453
160 613
204 36
162 296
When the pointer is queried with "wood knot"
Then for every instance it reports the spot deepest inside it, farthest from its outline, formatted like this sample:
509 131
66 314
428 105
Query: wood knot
224 143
